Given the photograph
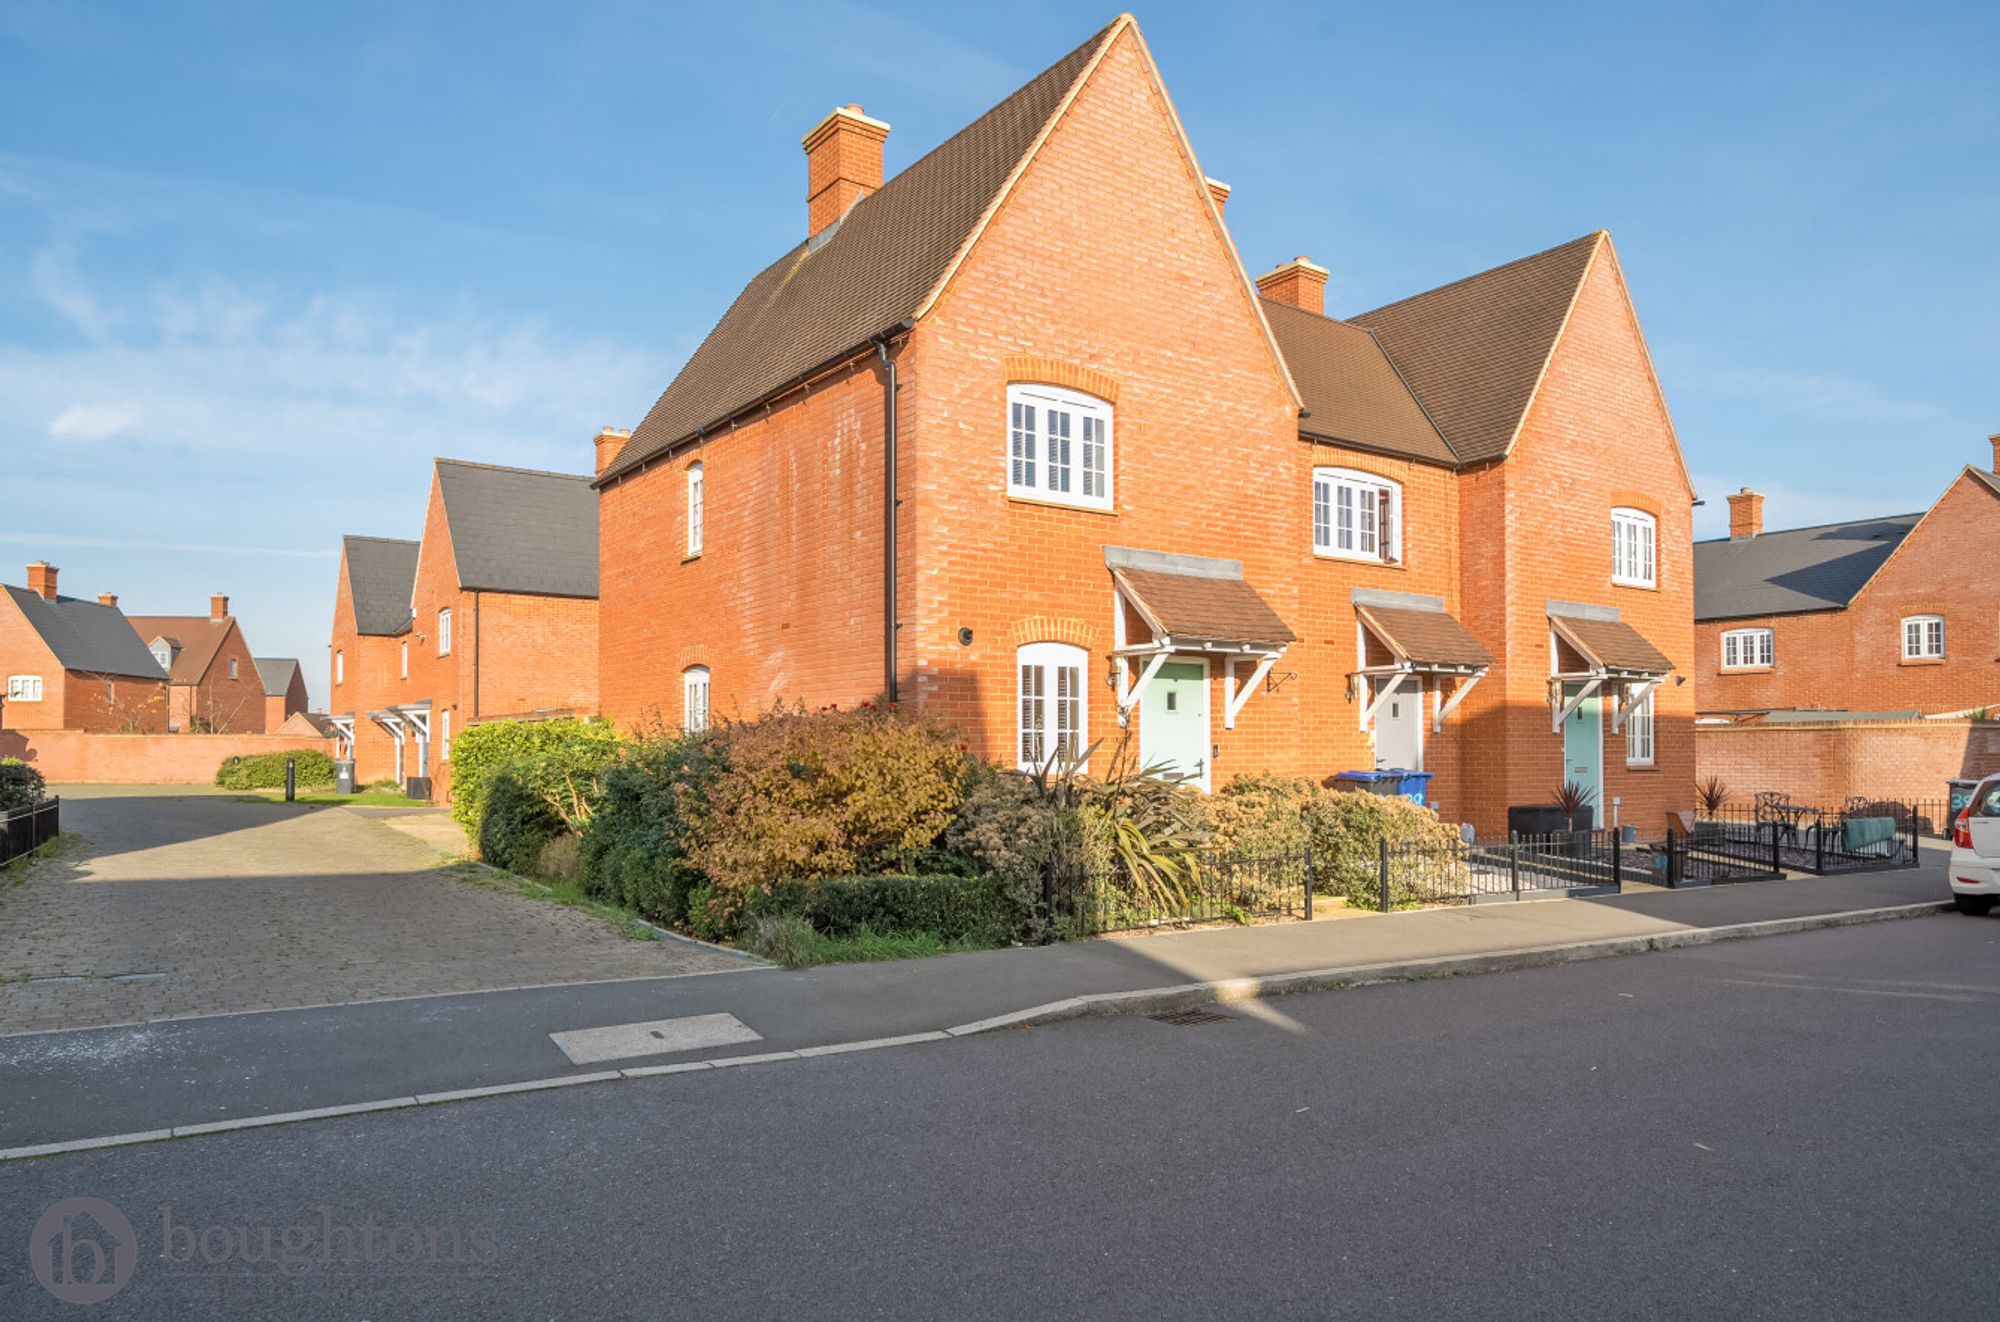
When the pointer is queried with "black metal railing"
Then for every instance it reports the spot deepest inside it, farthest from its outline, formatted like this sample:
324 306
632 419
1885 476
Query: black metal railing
1211 888
1862 835
27 828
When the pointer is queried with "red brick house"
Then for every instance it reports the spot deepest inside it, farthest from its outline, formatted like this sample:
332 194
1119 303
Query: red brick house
284 689
1050 470
498 620
74 665
213 683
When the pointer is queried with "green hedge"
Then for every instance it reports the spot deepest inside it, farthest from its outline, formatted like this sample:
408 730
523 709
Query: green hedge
981 910
20 784
559 761
266 771
634 848
514 823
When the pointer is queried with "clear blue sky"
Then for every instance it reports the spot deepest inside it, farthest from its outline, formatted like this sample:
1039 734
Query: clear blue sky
260 263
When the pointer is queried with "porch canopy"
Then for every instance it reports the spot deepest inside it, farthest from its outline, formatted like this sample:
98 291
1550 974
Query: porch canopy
1418 636
1596 649
1190 603
402 722
342 727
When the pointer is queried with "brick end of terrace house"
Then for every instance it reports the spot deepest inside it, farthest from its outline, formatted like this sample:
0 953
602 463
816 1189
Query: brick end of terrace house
490 615
930 452
68 664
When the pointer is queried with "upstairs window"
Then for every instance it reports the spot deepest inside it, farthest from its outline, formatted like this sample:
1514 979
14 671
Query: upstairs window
1632 535
1639 733
405 664
444 735
694 508
232 667
1050 694
1923 638
694 699
24 688
1357 516
444 632
1748 649
1058 446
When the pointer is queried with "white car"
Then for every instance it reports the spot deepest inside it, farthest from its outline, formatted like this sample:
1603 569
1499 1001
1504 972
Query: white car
1975 850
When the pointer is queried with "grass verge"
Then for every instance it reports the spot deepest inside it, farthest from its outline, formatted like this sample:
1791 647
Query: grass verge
626 922
329 798
791 941
15 871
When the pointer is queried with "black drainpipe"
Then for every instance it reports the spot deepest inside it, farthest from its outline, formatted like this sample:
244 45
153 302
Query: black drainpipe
890 501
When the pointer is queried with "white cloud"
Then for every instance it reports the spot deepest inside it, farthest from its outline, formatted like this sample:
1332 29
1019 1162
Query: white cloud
92 422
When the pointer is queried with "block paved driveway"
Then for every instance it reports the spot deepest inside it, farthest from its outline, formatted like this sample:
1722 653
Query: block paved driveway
184 902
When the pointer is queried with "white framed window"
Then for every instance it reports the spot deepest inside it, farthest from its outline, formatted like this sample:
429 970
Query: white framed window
1632 540
694 507
1050 693
1058 446
1357 516
1748 649
694 699
232 667
24 688
1639 733
444 735
340 667
1923 638
165 656
406 660
444 632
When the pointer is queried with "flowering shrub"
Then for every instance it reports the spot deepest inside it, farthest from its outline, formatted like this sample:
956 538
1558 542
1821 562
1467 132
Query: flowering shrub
807 795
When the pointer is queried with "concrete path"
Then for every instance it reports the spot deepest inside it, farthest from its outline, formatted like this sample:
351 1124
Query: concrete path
75 1085
180 902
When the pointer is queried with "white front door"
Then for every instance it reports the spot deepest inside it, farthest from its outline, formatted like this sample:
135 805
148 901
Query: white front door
1173 720
1399 723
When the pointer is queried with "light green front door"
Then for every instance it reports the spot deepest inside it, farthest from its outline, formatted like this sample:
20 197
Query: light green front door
1173 720
1583 748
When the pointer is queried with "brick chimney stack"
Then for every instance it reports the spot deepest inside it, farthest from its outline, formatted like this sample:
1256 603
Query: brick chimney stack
218 607
1994 439
42 580
610 443
843 164
107 598
1298 282
1217 190
1746 513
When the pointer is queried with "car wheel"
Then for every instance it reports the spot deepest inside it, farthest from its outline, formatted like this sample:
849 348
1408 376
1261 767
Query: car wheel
1976 905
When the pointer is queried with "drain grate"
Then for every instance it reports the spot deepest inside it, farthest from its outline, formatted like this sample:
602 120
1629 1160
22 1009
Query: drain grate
1193 1018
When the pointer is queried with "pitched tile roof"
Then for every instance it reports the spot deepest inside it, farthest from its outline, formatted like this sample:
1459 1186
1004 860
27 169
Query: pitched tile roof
519 530
1352 392
1793 570
381 576
1473 350
864 275
85 636
1611 644
277 673
1424 636
196 640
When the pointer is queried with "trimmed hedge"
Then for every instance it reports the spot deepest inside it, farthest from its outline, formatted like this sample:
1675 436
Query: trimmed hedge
20 784
634 848
982 910
515 823
266 771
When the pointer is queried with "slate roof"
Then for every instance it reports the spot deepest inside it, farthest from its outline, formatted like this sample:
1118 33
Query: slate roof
85 636
1427 637
519 530
277 673
196 639
868 273
1794 570
1473 350
1352 392
381 576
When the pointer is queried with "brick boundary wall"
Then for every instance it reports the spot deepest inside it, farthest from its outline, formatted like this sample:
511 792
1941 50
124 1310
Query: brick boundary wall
1825 763
81 757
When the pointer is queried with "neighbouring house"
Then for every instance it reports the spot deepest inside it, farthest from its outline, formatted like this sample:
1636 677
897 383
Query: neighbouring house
284 689
1014 438
74 665
308 724
371 627
1846 659
213 683
499 621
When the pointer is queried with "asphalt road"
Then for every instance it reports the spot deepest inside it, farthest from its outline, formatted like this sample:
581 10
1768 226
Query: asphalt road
1790 1127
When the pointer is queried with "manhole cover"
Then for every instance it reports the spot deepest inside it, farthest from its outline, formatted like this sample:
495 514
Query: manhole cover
1191 1018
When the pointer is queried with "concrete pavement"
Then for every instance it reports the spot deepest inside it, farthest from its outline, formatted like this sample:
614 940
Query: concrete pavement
1772 1129
63 1086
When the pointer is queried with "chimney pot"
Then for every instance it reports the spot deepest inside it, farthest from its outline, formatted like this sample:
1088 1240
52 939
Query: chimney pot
218 606
42 579
1994 439
843 164
107 598
1218 191
1299 282
610 443
1746 513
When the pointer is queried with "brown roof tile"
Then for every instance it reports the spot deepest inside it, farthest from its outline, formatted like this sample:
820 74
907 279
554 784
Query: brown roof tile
863 276
198 638
1473 350
1352 392
1199 607
1427 637
1612 644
